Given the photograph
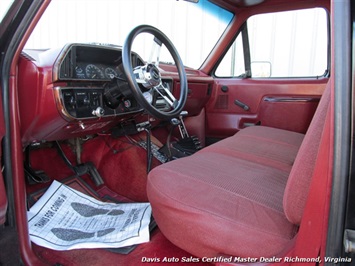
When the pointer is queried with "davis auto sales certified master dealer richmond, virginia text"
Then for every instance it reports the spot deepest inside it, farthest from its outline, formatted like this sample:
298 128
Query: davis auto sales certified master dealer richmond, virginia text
247 260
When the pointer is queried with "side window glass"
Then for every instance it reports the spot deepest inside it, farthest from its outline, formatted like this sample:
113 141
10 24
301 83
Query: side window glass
232 64
283 44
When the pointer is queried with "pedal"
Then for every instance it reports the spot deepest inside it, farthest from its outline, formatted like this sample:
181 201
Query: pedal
33 176
36 177
95 176
81 169
90 169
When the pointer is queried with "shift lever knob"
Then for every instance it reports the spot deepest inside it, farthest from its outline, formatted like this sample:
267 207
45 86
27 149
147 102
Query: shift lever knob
184 113
175 122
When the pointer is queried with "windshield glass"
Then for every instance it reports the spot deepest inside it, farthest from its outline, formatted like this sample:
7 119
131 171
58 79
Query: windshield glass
193 28
4 7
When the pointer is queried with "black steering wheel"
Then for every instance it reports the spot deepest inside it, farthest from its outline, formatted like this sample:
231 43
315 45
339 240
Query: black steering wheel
149 75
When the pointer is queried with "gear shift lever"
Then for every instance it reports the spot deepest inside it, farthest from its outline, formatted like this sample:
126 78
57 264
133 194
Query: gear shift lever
182 128
185 146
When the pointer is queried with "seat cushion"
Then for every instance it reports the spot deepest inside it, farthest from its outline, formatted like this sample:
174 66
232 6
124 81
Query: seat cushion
211 193
265 145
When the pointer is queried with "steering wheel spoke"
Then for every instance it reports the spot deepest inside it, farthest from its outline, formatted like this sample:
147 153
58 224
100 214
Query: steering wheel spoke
166 95
155 52
149 76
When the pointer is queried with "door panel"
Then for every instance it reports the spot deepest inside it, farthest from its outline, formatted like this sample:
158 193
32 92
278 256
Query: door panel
282 103
292 113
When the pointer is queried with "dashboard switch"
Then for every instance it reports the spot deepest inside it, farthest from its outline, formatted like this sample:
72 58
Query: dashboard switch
99 112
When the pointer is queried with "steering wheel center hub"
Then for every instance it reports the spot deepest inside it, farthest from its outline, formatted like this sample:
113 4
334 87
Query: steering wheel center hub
148 76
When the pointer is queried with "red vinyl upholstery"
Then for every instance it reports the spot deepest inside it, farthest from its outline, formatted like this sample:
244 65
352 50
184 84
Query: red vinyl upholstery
243 196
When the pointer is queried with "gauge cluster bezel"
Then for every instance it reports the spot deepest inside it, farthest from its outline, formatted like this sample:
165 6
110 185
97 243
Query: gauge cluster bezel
91 62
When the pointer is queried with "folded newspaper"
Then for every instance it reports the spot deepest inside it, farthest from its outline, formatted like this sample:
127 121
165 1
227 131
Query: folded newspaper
64 219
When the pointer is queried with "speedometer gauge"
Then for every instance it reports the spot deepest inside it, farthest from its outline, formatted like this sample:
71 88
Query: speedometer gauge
110 73
94 72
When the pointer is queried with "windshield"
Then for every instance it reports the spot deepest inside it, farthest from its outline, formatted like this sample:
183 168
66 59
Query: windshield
4 7
193 28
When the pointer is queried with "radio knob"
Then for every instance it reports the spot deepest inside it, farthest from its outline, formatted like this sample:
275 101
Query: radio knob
127 103
99 112
72 102
86 100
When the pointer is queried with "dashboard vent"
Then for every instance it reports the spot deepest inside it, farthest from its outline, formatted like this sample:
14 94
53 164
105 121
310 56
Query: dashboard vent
66 68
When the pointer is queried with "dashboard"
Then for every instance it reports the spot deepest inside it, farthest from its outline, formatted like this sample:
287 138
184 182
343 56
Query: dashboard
81 89
76 90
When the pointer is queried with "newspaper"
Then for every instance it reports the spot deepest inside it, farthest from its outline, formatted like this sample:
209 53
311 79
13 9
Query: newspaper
64 219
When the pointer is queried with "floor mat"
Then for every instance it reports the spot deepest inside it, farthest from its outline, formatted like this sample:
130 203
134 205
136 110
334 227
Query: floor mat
9 254
103 194
74 182
107 194
128 178
159 251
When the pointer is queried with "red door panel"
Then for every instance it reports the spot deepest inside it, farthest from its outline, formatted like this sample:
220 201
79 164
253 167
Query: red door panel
292 113
281 103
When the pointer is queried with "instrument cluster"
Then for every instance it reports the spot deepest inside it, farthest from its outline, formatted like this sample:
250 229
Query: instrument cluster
98 71
93 62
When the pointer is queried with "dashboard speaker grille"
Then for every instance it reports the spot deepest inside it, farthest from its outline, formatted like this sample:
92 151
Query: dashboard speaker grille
222 102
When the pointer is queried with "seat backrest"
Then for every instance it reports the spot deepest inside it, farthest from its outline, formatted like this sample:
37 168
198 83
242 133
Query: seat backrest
297 186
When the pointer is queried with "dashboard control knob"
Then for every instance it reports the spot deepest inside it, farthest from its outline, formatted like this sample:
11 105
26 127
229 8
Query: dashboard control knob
127 103
81 125
86 101
72 101
99 112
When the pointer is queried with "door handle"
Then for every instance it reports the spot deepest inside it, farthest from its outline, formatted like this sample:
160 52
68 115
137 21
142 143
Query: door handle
242 105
